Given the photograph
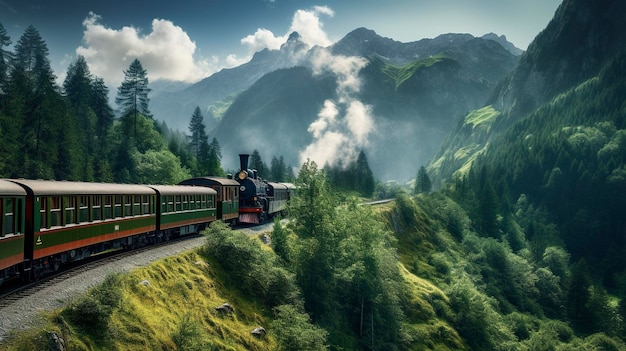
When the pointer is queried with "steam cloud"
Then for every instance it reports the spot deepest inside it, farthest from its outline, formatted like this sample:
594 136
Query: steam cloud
344 123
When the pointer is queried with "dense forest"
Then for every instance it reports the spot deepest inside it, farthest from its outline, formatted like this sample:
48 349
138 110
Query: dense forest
71 132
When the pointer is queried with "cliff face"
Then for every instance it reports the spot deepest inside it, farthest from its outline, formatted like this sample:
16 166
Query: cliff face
576 44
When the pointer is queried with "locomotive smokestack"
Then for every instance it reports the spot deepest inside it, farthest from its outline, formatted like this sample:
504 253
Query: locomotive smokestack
243 161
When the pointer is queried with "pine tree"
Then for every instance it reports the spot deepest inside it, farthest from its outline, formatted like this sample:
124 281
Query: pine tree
198 134
278 169
257 163
5 56
104 112
132 96
422 182
364 178
214 161
37 105
78 90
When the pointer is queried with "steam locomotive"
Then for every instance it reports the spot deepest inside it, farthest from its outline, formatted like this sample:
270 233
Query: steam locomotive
259 199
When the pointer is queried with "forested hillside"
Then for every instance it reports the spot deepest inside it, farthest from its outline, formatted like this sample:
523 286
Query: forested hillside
70 132
548 155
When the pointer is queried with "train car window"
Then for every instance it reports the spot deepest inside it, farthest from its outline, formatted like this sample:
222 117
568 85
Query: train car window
184 200
70 209
19 210
43 212
2 217
128 205
83 209
137 205
163 204
55 212
203 201
108 212
9 216
170 203
96 208
118 206
145 204
178 202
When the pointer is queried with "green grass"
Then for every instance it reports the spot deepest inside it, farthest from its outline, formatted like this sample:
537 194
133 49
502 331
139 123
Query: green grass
180 298
483 116
400 74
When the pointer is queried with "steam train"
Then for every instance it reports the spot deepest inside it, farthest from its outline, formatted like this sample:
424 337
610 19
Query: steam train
259 199
45 224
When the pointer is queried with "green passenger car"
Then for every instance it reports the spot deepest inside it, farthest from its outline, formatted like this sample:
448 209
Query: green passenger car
184 209
12 202
67 221
227 195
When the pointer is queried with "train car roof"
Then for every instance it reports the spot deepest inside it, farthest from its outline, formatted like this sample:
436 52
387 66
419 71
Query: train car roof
53 187
289 185
210 181
10 188
280 186
183 190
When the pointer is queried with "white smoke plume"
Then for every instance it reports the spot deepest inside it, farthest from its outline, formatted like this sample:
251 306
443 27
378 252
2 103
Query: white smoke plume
343 125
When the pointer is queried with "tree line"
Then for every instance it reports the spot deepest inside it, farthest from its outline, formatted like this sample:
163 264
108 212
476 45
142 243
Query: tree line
70 132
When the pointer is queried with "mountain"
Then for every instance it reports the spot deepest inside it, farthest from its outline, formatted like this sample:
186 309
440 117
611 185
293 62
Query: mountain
551 141
416 93
577 43
176 107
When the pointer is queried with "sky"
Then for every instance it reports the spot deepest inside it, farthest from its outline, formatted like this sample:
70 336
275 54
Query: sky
187 40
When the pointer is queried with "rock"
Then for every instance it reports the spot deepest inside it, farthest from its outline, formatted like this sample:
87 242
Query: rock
145 283
266 239
259 332
225 308
57 343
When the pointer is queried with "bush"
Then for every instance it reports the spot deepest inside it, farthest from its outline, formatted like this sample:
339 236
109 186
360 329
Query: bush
294 330
93 311
187 335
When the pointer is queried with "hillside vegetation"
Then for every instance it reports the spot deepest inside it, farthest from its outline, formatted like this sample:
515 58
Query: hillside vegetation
422 273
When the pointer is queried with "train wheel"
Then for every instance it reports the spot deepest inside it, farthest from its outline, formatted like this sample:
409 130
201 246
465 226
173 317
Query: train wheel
56 265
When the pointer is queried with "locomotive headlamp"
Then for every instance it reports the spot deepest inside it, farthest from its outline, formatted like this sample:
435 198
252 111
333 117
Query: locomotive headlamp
242 175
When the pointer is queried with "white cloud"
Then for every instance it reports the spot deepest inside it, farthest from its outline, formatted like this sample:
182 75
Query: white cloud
166 52
306 22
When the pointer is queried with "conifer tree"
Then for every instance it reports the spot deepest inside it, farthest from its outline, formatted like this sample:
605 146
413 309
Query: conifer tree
363 175
5 56
78 90
422 182
132 96
214 162
257 163
102 109
198 135
37 105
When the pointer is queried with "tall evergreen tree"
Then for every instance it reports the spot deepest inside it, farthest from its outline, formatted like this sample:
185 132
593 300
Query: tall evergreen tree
257 163
278 169
102 109
132 96
364 178
5 56
78 90
198 143
214 162
422 182
37 105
